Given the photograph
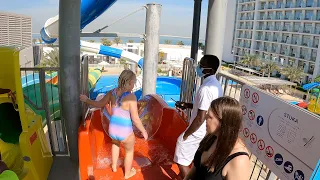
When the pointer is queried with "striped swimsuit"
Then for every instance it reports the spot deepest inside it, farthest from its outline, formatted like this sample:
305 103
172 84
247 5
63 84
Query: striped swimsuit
120 122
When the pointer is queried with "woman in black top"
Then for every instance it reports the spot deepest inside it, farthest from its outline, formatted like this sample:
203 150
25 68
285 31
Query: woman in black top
222 154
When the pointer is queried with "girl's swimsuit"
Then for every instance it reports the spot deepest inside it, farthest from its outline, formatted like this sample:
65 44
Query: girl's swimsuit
120 121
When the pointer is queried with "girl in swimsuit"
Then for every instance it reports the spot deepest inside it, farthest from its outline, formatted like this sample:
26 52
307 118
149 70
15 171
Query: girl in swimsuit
222 155
122 104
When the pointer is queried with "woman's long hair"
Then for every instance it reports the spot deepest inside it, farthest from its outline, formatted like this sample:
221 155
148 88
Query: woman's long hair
228 111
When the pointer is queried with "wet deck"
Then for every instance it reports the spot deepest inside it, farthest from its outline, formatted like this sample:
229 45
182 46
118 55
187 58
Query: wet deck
63 169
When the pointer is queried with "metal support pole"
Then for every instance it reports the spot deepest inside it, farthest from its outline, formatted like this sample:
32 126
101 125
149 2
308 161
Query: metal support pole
151 49
196 29
69 55
216 27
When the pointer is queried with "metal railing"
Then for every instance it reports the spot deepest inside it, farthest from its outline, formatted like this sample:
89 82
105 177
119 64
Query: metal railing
84 85
41 92
232 88
188 82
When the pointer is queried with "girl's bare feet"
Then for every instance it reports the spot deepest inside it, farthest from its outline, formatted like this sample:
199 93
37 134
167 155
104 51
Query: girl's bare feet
131 173
114 168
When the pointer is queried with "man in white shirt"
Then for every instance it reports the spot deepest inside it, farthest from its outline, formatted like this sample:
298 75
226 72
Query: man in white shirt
188 142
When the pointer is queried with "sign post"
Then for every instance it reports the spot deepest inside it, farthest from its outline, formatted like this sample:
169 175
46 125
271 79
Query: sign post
285 137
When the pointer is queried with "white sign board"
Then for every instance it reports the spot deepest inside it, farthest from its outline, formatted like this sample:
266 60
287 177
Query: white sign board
284 137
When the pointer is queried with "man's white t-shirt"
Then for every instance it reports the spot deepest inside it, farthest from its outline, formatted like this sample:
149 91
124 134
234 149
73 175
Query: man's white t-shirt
209 90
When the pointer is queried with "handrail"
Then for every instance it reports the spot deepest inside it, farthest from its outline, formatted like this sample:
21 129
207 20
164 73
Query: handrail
188 82
84 86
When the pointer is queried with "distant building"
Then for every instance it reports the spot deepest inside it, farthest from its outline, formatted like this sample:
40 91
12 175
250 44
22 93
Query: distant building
286 32
15 30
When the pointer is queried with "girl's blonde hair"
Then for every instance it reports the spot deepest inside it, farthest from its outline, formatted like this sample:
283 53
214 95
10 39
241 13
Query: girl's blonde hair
125 77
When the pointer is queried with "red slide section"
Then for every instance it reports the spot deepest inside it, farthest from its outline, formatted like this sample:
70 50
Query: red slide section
153 159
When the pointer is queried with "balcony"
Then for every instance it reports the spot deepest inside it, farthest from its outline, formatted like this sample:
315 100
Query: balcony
289 5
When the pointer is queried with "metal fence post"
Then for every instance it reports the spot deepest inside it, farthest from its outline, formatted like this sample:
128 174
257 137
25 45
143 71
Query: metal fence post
45 105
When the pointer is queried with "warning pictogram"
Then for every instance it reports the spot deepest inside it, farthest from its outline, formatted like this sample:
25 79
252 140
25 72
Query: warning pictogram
260 120
244 110
253 138
269 151
247 93
251 115
261 144
246 132
255 97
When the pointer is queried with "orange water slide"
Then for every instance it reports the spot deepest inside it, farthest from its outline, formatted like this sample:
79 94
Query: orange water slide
153 159
53 80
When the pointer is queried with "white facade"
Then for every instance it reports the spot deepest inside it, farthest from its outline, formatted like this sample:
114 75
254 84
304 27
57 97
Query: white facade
286 31
15 30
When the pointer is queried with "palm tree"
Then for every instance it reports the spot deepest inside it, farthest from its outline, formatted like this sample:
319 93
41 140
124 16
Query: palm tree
161 57
130 41
106 42
50 59
91 41
293 73
117 40
180 43
167 41
269 66
201 46
250 60
142 41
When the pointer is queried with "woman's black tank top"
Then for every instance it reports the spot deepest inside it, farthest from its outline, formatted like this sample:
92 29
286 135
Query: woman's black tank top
202 171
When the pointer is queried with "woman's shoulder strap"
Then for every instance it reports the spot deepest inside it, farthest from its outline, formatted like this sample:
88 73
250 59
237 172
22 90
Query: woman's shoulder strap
232 156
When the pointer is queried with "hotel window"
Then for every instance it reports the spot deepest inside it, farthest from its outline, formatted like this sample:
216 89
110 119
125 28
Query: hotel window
289 4
316 42
305 40
259 45
298 3
260 25
307 28
296 26
271 4
279 4
295 39
309 3
269 26
278 14
313 55
259 36
309 15
275 37
262 5
287 15
317 28
277 26
297 15
318 14
286 26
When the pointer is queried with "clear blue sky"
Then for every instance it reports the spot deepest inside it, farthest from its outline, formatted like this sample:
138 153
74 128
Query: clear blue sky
176 16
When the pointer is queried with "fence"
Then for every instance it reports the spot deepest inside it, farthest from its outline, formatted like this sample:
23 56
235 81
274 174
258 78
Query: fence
232 88
41 92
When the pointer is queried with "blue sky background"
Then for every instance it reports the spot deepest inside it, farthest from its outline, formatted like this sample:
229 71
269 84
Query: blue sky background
176 16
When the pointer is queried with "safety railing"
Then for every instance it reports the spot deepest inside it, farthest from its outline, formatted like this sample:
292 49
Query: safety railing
232 88
188 82
84 84
41 93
